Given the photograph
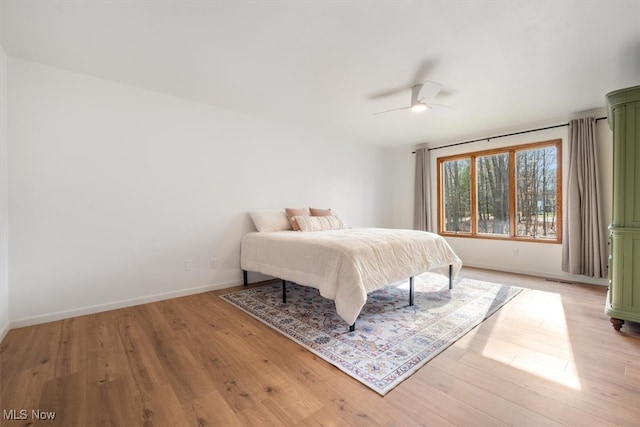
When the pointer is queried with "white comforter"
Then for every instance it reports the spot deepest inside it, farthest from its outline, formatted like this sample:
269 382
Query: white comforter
345 265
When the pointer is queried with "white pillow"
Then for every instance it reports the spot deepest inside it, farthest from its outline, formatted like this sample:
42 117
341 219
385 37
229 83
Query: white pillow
268 220
319 223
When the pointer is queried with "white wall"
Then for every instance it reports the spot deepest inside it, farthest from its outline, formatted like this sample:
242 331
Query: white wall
112 188
540 259
4 284
402 166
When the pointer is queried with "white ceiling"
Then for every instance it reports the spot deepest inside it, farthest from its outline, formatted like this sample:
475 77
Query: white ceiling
330 65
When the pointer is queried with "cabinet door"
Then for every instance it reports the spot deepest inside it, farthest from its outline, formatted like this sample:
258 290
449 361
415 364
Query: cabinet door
626 165
624 274
616 271
631 273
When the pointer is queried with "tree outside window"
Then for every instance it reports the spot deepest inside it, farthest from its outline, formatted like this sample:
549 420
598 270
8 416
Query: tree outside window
457 189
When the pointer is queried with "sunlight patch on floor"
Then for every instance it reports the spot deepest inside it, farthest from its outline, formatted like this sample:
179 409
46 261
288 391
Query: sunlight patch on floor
538 340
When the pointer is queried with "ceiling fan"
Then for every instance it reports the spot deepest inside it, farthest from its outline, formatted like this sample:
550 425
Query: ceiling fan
420 95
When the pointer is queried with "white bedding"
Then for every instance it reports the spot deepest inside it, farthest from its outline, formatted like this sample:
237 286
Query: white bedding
345 265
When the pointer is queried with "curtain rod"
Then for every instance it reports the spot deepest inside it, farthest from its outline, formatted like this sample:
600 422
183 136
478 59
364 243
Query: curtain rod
502 136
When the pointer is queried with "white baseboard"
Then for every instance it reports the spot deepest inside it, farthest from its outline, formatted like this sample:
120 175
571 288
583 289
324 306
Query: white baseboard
546 275
66 314
4 331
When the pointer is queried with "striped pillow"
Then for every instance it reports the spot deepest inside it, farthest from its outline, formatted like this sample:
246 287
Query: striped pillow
319 223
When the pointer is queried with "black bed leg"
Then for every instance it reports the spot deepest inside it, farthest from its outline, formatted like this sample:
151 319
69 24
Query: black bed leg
352 327
450 276
284 292
245 278
411 292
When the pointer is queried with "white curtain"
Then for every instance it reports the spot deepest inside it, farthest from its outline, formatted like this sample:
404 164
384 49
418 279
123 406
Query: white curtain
422 200
583 246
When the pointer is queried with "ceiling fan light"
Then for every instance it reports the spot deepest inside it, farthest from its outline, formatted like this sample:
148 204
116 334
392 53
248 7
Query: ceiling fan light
418 107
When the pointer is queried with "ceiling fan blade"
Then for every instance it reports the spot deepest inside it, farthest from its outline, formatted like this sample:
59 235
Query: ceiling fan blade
389 111
440 107
446 92
430 90
389 92
424 69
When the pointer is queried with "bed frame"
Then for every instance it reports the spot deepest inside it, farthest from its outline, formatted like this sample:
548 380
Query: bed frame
352 328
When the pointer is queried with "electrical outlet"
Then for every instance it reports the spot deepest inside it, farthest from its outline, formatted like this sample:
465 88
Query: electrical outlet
213 262
514 251
188 265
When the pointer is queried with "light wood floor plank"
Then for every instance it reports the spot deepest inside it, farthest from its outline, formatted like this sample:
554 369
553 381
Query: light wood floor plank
482 398
517 393
210 410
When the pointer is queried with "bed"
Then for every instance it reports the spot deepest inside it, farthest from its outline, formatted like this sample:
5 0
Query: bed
346 264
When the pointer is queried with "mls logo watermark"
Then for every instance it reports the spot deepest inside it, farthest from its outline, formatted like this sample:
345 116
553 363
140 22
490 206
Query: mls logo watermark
23 414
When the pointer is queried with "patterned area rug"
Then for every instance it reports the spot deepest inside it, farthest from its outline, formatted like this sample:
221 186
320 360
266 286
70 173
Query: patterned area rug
392 339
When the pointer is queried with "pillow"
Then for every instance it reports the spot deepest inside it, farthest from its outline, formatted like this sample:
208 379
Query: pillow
319 223
320 212
266 220
292 213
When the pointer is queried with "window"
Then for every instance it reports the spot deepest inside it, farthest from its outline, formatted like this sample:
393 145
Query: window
508 193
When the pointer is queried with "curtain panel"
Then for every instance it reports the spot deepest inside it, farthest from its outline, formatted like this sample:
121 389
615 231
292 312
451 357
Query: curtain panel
422 191
583 247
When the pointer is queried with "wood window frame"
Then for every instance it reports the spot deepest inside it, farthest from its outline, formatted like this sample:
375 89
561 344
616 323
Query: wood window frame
511 150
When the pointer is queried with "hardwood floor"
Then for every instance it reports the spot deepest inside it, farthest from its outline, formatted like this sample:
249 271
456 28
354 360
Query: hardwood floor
549 357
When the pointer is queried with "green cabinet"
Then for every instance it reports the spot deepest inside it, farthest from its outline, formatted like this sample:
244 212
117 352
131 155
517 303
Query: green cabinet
623 298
